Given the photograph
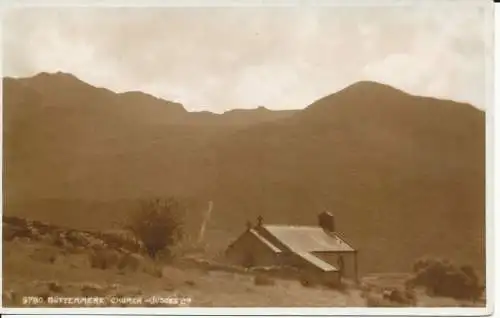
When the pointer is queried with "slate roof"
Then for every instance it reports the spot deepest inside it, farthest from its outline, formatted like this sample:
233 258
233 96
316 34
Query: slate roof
265 241
301 239
316 261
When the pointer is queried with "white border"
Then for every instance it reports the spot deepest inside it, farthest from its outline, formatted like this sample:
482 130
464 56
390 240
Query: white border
290 311
492 148
1 155
260 311
241 3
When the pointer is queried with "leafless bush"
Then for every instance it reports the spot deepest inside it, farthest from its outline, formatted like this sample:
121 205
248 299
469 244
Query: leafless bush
158 224
443 278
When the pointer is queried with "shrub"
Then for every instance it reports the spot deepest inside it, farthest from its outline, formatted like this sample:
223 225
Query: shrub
158 224
443 278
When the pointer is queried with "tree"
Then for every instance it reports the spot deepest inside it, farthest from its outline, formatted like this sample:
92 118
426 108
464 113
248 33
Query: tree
158 223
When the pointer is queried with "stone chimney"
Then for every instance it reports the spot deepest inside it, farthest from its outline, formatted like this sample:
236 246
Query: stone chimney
327 221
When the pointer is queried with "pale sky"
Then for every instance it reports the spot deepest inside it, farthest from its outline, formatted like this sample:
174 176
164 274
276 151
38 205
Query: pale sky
218 59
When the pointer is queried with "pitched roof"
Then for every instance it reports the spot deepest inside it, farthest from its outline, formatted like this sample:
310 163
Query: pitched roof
304 239
265 241
316 261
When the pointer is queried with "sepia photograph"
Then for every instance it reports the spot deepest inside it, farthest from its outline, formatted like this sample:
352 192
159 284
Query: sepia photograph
246 154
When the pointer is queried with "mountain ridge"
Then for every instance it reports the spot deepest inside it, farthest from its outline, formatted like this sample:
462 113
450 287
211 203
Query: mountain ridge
396 169
355 87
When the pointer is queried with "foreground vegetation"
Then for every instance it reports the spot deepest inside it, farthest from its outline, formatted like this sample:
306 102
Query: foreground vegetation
42 260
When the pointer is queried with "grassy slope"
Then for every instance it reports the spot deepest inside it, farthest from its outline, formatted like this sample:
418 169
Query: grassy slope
28 273
28 276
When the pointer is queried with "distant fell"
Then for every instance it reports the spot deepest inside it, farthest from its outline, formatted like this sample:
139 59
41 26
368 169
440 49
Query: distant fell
66 138
404 175
395 169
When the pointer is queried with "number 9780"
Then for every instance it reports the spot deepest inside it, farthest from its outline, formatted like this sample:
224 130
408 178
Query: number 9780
32 300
